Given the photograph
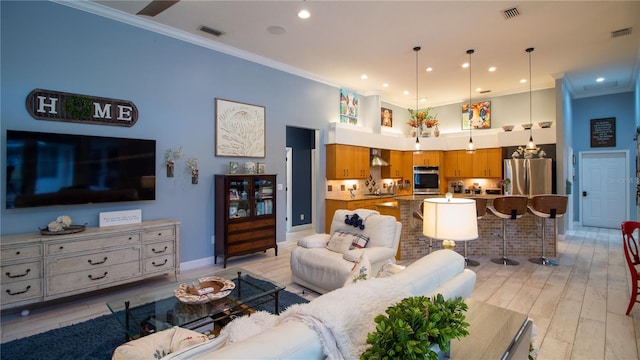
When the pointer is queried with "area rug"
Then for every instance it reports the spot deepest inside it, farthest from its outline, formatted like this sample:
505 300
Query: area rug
93 339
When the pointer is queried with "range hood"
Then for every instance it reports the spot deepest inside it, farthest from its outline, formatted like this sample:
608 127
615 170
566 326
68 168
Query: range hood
376 159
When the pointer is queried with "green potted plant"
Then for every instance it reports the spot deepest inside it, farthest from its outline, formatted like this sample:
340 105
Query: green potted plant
412 327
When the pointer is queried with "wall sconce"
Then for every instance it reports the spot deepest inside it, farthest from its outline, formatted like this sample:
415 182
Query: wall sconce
192 165
170 158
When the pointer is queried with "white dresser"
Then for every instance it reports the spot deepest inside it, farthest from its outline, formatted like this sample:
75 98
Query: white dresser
39 267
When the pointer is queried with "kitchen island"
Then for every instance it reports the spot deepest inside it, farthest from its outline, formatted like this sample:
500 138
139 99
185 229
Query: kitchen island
524 235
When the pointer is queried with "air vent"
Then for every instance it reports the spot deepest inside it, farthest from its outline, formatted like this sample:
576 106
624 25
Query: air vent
621 32
211 31
601 86
510 13
485 91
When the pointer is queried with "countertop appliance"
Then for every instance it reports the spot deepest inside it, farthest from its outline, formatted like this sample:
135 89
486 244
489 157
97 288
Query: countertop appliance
529 176
426 180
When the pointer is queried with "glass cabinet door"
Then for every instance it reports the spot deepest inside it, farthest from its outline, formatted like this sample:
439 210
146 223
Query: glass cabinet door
263 192
239 197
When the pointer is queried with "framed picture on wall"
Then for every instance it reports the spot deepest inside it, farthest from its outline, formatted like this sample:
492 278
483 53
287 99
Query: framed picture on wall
479 117
348 107
386 117
240 129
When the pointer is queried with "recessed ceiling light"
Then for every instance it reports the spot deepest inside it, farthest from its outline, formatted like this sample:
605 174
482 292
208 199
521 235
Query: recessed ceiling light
429 69
600 79
304 14
406 92
523 81
385 85
492 69
423 99
465 65
478 89
364 77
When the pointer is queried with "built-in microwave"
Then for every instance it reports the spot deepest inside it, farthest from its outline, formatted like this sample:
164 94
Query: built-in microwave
426 180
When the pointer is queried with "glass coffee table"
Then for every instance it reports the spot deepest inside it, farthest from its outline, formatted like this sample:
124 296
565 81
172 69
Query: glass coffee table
159 309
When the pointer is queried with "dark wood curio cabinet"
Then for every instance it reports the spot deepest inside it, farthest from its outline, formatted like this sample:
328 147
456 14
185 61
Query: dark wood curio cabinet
245 215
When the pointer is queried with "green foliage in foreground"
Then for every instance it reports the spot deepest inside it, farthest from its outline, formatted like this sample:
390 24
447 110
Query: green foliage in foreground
412 326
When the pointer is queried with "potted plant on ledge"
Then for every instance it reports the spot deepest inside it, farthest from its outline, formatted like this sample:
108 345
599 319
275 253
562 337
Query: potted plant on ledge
421 122
417 328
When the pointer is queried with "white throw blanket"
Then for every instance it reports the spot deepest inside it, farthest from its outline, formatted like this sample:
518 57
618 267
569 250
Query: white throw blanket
344 317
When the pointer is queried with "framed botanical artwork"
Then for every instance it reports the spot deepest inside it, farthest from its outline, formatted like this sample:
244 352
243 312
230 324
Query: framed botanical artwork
348 107
386 117
479 117
240 129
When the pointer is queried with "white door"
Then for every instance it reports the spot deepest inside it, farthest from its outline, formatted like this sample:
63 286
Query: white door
604 189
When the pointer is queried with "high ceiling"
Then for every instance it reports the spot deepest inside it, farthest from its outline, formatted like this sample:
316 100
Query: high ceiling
342 40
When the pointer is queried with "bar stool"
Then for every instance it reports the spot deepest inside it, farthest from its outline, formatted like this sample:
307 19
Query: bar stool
418 214
481 210
547 207
507 207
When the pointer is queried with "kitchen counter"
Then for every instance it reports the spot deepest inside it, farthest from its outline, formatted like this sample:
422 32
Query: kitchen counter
524 235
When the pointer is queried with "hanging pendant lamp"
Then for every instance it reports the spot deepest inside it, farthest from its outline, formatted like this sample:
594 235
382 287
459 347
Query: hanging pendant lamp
416 49
531 146
470 147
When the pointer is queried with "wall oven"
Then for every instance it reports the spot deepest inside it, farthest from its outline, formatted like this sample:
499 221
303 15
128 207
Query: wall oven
426 180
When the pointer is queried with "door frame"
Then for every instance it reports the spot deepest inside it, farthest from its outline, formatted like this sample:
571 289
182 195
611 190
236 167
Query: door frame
581 156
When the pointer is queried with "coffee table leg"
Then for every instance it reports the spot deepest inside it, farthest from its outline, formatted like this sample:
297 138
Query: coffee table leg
126 321
276 301
239 285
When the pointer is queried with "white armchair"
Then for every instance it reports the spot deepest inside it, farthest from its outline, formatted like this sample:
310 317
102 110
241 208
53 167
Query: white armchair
323 262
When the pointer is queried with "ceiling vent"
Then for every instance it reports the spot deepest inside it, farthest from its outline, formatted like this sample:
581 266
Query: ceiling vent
601 86
211 31
621 32
485 91
510 13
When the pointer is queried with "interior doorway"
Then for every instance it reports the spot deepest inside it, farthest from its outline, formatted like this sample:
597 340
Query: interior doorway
301 158
604 188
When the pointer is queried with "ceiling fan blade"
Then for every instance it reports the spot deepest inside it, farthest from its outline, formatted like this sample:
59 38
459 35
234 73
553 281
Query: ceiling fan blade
155 7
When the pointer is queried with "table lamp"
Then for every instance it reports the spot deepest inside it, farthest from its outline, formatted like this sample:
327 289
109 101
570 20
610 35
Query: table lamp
450 219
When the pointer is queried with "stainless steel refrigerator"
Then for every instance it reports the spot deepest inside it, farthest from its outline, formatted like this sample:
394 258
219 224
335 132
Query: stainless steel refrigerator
529 176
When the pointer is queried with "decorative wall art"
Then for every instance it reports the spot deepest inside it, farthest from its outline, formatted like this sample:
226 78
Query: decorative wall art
603 132
386 117
348 107
240 129
479 117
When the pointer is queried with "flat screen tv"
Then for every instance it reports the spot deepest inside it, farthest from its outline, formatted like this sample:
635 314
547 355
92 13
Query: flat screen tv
46 169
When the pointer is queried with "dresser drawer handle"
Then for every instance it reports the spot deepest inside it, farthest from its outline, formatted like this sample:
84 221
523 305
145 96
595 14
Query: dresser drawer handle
159 234
158 265
17 252
99 277
97 263
17 276
19 292
159 251
61 248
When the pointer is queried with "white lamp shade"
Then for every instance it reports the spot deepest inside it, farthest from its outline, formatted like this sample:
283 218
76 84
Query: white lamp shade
450 219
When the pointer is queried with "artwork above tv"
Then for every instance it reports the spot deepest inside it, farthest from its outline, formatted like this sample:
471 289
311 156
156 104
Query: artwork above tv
47 169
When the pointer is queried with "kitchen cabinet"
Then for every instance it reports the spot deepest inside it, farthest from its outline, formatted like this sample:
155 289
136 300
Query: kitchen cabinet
331 205
457 164
347 162
427 158
400 164
245 220
487 163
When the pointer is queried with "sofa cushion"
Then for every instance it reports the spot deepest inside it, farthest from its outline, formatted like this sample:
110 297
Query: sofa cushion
198 349
159 345
380 229
341 241
314 241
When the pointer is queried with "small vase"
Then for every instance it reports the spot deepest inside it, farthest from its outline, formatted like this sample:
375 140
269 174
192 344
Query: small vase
170 166
414 132
194 177
426 131
436 131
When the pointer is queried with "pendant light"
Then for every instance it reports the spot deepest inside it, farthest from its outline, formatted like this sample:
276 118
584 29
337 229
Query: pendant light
470 147
416 49
531 146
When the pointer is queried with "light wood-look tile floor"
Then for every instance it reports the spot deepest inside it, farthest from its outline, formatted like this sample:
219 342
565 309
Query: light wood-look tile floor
578 307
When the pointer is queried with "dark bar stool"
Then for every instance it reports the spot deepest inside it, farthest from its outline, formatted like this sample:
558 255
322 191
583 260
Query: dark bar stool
547 207
418 214
481 210
507 208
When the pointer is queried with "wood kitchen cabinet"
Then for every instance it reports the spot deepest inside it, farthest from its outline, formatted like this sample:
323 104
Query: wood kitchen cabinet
487 163
400 164
347 162
457 164
427 158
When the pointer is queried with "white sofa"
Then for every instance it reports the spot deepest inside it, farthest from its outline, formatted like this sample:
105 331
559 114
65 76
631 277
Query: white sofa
296 336
315 266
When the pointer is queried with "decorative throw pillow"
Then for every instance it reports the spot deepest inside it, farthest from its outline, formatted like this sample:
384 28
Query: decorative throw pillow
361 270
340 242
359 241
389 269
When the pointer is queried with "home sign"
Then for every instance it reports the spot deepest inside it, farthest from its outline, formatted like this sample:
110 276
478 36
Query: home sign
61 106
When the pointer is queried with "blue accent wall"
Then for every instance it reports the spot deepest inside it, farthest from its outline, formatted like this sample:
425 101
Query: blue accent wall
173 83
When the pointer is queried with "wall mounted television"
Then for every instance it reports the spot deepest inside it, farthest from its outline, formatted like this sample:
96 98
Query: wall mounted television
47 169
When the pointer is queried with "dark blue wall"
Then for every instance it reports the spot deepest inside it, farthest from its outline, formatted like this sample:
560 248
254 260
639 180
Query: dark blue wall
302 141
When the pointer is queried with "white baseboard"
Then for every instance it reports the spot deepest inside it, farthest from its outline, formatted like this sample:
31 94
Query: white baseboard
301 227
